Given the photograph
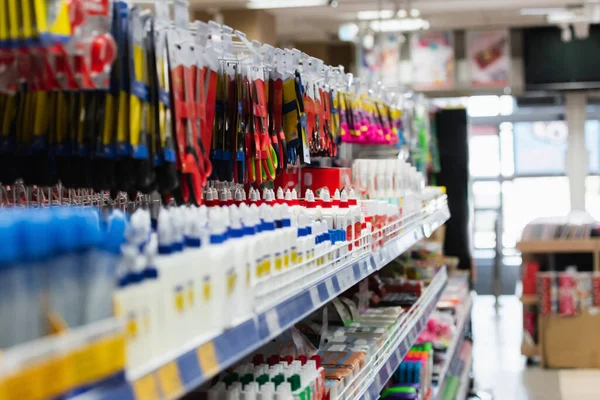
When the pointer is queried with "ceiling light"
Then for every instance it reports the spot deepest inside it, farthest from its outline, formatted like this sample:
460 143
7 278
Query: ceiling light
541 11
402 13
265 4
371 15
348 32
399 25
415 13
561 17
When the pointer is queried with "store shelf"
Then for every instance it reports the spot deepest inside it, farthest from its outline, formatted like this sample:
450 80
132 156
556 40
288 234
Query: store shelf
451 353
369 384
559 246
463 389
176 374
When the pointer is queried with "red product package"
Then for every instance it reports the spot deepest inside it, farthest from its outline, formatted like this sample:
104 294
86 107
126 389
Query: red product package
530 278
568 297
596 288
529 322
547 292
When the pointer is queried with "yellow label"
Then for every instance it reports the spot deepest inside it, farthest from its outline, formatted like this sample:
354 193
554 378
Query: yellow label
278 262
123 118
86 368
248 277
109 120
169 380
300 258
286 259
135 111
13 20
62 24
40 15
190 294
146 388
132 326
294 257
146 320
110 353
231 281
206 291
26 22
22 385
179 301
207 357
56 376
264 268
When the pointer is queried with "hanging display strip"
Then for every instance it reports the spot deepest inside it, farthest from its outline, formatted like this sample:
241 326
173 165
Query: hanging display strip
176 374
451 352
369 385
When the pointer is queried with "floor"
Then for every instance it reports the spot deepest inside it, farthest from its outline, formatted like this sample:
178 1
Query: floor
501 371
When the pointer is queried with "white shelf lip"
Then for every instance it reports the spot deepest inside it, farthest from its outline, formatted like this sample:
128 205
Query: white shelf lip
451 351
463 389
238 341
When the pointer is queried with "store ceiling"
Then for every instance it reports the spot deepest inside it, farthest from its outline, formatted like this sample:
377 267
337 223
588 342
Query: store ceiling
320 23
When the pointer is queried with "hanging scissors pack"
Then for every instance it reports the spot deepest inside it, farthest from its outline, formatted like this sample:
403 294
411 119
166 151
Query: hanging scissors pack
56 59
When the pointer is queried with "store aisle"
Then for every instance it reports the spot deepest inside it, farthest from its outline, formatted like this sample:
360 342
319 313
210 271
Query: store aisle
500 369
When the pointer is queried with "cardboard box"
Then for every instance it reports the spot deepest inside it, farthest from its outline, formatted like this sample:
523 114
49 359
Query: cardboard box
289 179
331 178
570 342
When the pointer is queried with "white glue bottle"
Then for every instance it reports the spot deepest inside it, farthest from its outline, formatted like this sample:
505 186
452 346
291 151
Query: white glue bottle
214 285
165 264
238 284
356 214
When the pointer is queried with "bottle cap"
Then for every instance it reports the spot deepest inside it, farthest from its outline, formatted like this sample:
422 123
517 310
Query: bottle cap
114 236
344 200
309 199
294 381
352 198
317 359
258 359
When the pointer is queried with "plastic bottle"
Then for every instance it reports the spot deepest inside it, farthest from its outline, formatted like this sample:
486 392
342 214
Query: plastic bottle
357 217
269 239
219 267
239 285
99 306
289 236
13 292
64 288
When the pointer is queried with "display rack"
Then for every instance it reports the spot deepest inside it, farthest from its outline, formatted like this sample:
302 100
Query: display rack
178 373
531 250
370 383
463 319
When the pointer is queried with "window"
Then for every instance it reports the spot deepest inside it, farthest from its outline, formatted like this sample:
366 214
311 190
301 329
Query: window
540 148
485 229
486 194
592 196
484 152
526 199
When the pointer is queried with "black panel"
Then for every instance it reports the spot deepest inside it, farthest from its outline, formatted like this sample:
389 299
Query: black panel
454 160
553 64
